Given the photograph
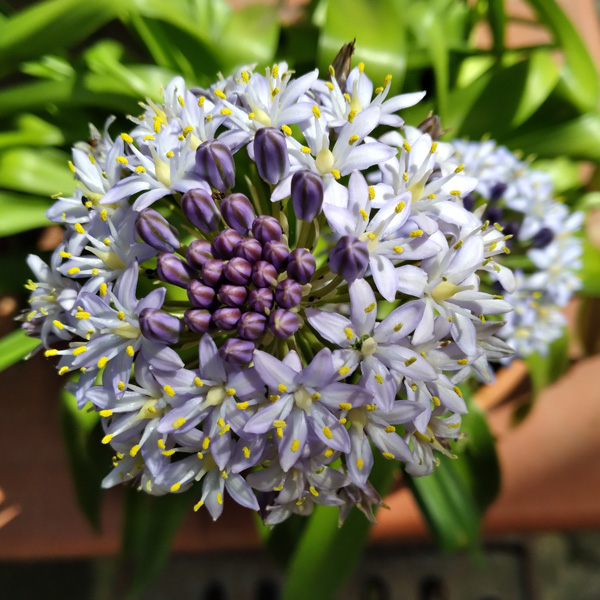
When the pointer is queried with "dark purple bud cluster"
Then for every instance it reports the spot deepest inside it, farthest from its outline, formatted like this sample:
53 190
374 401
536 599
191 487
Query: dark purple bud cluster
349 258
246 282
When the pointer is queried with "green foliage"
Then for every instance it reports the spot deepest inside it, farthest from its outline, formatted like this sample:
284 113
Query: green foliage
14 347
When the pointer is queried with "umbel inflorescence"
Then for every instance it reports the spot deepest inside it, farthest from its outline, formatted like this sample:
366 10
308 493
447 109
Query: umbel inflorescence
264 283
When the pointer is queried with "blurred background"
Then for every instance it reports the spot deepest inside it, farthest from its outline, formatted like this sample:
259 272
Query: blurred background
520 523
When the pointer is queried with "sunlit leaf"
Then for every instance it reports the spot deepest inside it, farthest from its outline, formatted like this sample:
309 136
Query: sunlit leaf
14 347
18 213
497 20
31 131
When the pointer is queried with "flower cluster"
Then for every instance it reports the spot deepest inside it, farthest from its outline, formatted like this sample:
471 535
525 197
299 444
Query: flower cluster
248 314
544 249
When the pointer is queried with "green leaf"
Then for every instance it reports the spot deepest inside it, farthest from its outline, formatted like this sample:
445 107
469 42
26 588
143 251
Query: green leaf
326 554
149 527
31 131
579 73
52 25
88 464
379 29
565 173
497 20
41 172
590 270
18 213
454 497
14 347
545 370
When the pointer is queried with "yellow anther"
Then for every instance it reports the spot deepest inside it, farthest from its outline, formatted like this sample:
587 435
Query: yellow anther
436 400
371 192
410 361
416 233
148 138
336 173
58 324
161 444
454 425
170 392
295 446
460 168
219 498
106 241
360 463
168 452
398 249
206 443
224 475
225 111
121 315
187 130
95 272
431 196
106 439
329 85
51 352
79 350
176 486
344 370
463 361
328 452
345 406
198 506
315 397
122 160
286 129
387 79
221 422
379 378
246 451
157 126
406 146
282 388
400 207
102 362
201 101
379 89
351 115
274 92
198 382
106 412
305 149
79 228
371 407
390 429
178 423
126 138
398 327
64 254
71 166
89 204
327 433
130 351
482 318
405 176
361 66
316 111
313 491
423 437
457 391
353 139
279 431
364 214
251 115
73 270
275 71
63 370
170 154
134 450
181 100
349 333
278 423
245 77
120 456
388 455
274 397
242 405
230 391
455 193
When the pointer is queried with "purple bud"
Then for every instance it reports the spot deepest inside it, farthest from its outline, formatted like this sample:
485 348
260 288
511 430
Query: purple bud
226 318
200 209
288 293
250 250
271 154
238 271
301 265
266 229
494 214
226 242
237 352
233 295
283 323
261 300
198 252
264 274
349 258
252 325
212 272
155 230
497 191
276 253
542 238
200 294
173 270
238 212
307 195
215 163
159 326
197 319
469 202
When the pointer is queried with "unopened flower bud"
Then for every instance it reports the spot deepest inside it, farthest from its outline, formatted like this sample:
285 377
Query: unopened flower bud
542 238
226 242
249 249
237 352
469 202
271 154
433 126
233 295
497 191
301 265
349 258
198 252
307 195
156 231
283 323
200 294
288 293
200 209
215 164
266 228
172 269
512 228
276 253
494 214
264 274
261 300
226 318
212 272
238 212
251 326
159 326
197 319
238 271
